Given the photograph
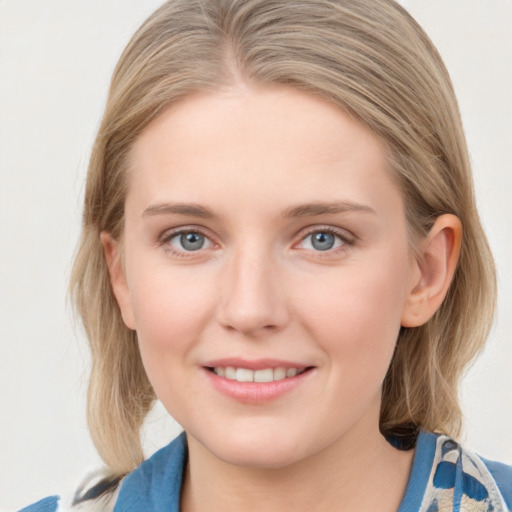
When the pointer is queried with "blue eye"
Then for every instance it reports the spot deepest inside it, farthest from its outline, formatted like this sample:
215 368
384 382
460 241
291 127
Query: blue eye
322 241
192 241
189 241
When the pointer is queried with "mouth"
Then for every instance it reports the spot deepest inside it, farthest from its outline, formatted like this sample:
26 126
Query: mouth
256 382
263 375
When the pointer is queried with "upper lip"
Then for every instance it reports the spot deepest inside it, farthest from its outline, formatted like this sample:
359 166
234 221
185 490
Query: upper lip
254 364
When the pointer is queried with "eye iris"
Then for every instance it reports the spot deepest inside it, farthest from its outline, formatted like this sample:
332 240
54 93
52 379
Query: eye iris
192 241
322 241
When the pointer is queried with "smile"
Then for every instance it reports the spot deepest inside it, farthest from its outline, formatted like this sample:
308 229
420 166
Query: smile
256 382
262 375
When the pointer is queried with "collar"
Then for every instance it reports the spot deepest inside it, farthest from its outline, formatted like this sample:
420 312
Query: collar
443 476
156 484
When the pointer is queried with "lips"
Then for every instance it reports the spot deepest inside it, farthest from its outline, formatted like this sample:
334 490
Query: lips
255 381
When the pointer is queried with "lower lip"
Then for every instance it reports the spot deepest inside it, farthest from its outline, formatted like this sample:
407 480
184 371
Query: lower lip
255 392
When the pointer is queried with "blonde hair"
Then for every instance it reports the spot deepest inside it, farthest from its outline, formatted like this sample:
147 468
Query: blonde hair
373 61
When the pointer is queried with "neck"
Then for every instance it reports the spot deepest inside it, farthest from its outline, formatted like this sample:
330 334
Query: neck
361 471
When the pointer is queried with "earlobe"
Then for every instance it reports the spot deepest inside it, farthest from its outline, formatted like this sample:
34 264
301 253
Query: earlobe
118 278
437 261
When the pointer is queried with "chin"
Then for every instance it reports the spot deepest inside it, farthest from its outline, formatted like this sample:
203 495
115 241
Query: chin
258 450
258 457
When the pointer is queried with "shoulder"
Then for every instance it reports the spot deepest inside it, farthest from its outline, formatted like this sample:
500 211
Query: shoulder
502 475
50 504
97 493
461 475
156 480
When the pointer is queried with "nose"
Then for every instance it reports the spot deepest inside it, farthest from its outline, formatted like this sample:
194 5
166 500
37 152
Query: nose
252 299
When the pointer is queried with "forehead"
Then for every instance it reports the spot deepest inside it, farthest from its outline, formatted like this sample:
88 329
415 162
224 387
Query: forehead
264 143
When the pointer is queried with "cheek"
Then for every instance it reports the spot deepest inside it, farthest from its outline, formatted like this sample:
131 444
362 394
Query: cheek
170 310
355 315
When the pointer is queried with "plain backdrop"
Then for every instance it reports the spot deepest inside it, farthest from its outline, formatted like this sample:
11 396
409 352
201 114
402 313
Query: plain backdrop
56 58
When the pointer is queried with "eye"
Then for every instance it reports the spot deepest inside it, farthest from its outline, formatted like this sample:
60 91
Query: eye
186 241
323 240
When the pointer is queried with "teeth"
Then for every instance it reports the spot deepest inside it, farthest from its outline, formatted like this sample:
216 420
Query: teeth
279 373
244 375
291 372
265 375
229 373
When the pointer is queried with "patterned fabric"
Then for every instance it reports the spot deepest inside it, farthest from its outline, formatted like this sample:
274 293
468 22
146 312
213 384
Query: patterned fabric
460 481
444 478
98 492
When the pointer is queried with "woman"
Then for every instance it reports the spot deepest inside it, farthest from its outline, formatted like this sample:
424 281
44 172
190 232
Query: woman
280 242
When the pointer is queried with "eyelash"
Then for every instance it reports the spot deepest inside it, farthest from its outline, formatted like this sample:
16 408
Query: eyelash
346 240
169 235
342 235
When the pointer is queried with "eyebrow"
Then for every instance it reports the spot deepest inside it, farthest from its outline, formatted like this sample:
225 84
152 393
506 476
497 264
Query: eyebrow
320 208
300 210
195 210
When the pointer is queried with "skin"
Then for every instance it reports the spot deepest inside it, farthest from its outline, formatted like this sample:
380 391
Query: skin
259 288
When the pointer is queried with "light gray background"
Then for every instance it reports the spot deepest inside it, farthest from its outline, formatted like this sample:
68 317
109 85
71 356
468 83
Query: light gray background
56 58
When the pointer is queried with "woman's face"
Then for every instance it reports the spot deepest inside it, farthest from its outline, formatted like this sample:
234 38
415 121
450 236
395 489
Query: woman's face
265 239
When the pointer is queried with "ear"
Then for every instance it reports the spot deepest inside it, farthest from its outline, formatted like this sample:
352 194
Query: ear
118 278
437 261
